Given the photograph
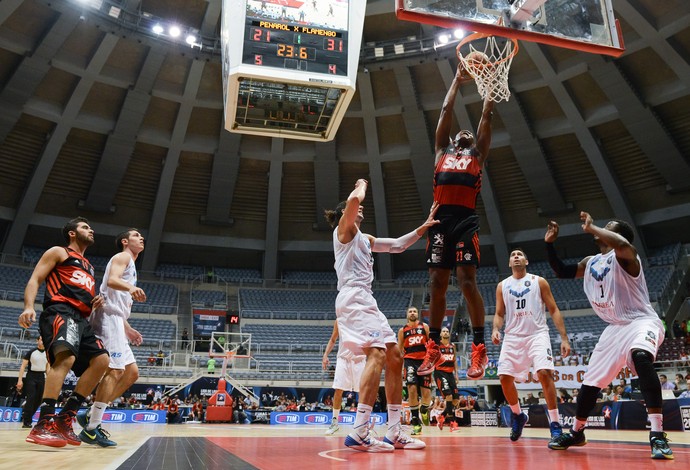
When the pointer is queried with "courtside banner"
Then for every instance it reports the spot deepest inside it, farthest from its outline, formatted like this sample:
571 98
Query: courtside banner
569 377
320 418
13 415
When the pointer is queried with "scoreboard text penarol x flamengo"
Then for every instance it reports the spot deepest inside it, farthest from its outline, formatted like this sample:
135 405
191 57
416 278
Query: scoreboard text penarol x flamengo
290 66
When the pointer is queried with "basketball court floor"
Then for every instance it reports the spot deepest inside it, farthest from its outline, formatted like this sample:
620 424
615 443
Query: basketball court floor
221 446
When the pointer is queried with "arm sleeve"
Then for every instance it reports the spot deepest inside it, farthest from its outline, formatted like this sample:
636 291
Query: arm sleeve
395 245
562 270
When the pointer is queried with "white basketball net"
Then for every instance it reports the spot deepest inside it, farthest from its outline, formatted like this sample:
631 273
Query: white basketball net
491 77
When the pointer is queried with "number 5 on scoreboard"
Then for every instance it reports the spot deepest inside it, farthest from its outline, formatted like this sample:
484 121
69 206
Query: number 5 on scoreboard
258 59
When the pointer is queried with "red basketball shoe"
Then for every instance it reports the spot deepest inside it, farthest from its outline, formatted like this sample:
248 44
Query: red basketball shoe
478 363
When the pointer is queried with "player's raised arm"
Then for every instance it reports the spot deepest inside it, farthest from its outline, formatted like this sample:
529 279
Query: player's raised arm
347 227
445 120
398 245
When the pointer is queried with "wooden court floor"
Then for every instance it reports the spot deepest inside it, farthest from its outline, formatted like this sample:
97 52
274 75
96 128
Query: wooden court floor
221 446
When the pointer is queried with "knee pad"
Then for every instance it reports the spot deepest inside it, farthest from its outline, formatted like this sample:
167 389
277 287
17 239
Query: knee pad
649 381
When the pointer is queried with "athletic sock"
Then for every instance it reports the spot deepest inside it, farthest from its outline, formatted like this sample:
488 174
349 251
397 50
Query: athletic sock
553 416
394 414
336 413
47 408
424 409
478 333
579 425
657 422
96 417
516 409
361 425
73 403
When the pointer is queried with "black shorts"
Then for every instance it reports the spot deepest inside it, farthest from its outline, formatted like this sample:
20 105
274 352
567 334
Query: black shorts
411 376
62 325
455 241
445 382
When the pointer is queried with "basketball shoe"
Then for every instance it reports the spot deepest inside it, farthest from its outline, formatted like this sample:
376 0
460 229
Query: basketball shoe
45 434
398 438
98 436
556 430
431 360
568 439
425 418
63 424
660 448
333 427
478 363
83 418
440 420
367 443
454 426
519 421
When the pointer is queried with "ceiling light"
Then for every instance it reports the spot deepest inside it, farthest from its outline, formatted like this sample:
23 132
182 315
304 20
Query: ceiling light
443 38
191 39
158 29
458 33
174 31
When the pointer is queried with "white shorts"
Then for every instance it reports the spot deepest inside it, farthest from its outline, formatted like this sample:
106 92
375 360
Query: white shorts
518 353
360 322
348 370
111 330
612 351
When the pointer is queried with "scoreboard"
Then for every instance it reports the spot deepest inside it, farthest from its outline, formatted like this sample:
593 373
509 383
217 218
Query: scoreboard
296 47
290 66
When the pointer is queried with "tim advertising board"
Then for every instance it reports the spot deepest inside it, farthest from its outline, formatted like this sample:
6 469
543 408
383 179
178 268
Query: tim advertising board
319 418
13 415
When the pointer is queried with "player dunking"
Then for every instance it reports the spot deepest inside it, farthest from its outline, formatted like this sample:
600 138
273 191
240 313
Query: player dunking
454 243
412 339
69 339
109 322
446 374
363 329
348 370
615 285
521 300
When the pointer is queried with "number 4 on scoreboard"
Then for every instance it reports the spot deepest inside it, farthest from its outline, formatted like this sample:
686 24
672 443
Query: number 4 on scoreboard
332 69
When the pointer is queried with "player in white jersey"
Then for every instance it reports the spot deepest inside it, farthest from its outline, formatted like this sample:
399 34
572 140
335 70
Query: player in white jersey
521 301
615 286
348 370
362 327
119 289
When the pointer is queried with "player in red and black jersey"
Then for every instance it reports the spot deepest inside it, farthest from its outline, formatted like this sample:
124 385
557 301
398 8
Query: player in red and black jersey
412 340
454 243
446 380
69 340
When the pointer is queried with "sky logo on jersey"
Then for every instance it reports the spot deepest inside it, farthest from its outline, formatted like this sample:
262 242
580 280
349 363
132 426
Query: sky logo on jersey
316 419
145 417
346 419
287 418
114 417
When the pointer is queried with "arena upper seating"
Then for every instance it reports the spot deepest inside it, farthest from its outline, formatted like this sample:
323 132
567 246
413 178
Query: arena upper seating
209 298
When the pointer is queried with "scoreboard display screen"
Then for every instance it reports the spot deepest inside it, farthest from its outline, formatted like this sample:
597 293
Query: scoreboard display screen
309 36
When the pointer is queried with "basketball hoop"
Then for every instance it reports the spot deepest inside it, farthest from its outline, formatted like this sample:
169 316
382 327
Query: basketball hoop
490 73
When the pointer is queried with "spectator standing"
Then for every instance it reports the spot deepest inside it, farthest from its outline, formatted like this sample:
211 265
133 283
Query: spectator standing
35 362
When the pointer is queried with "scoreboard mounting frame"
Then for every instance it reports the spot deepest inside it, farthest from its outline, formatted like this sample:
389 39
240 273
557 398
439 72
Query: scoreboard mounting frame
290 66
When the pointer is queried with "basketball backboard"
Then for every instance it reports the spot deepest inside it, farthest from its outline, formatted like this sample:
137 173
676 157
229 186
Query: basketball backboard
586 25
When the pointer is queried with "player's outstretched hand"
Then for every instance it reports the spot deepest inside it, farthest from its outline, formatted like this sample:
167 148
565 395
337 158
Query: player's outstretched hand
551 232
97 302
587 220
462 73
565 348
138 294
325 362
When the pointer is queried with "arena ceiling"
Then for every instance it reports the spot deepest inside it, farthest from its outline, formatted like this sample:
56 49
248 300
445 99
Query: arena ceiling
102 121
